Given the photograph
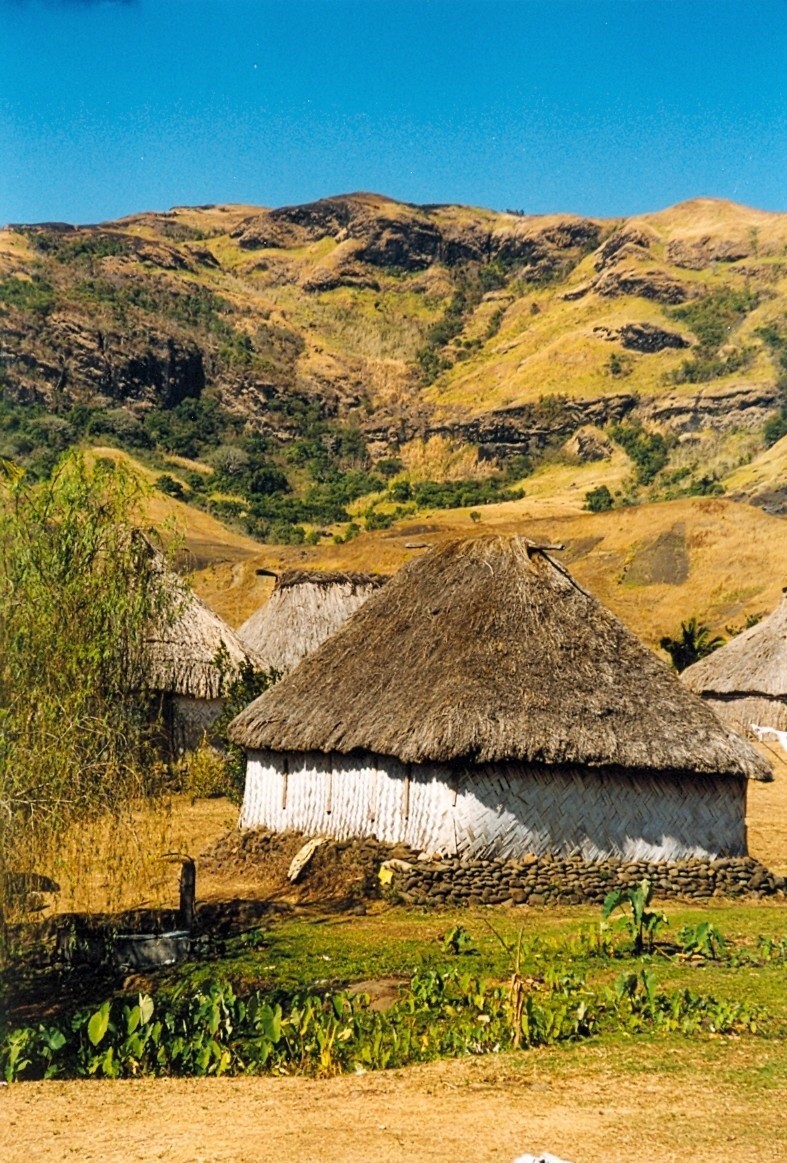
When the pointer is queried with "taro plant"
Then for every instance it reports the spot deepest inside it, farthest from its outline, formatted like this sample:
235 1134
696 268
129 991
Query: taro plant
457 940
703 940
214 1031
642 921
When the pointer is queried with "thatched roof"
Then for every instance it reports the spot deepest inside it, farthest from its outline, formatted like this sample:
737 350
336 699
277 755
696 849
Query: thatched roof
487 650
305 608
752 663
197 653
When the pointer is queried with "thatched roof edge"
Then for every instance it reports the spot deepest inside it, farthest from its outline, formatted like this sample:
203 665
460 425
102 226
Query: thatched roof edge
317 577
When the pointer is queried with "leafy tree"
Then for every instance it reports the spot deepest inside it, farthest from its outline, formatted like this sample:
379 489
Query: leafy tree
79 589
694 642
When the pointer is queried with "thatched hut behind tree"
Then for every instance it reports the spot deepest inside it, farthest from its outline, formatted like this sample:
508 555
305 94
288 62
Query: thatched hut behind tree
193 657
745 681
484 704
305 608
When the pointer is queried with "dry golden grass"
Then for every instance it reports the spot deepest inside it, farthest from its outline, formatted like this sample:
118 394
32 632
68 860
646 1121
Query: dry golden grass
768 470
441 459
92 858
111 865
736 554
699 217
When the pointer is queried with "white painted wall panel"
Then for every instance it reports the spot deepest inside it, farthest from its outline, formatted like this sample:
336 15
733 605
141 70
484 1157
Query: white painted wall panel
503 810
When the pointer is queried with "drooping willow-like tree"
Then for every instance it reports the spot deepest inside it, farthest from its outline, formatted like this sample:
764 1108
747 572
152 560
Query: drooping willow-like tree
79 590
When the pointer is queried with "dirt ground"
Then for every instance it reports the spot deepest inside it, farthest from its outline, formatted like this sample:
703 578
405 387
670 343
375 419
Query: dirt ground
660 1107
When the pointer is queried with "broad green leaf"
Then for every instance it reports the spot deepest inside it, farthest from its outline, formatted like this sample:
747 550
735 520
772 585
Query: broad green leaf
98 1024
133 1019
146 1008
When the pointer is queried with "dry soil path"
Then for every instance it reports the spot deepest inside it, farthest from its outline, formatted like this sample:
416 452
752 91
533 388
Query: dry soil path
471 1111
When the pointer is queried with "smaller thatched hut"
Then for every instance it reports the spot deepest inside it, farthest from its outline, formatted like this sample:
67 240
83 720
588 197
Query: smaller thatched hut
745 681
192 659
305 608
483 704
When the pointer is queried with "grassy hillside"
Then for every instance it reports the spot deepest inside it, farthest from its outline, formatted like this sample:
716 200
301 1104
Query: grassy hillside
336 371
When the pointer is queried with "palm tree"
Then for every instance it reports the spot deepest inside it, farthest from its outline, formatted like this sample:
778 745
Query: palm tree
695 642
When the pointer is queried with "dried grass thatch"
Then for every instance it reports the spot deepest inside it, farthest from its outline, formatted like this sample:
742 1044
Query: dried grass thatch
745 681
197 653
486 650
305 608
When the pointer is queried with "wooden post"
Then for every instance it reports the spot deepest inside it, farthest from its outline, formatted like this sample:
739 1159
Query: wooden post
407 792
188 893
329 797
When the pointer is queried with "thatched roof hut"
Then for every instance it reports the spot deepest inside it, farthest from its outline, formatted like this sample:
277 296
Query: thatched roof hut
192 656
484 702
197 654
745 681
305 608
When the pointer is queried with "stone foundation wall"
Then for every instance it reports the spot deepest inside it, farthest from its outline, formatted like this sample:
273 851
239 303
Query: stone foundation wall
552 880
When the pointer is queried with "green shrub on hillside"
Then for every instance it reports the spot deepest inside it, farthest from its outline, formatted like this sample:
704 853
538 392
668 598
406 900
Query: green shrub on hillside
171 486
702 368
599 500
648 450
776 427
34 294
714 316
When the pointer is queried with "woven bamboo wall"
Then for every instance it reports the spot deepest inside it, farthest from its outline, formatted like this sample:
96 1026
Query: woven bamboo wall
506 810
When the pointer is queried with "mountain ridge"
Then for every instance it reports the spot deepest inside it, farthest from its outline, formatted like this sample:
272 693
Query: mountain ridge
362 322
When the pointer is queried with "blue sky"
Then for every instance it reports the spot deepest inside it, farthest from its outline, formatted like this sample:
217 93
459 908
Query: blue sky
596 106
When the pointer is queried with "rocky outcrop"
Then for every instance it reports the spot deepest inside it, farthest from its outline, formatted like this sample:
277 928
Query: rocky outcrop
735 406
695 256
415 237
76 362
406 246
588 445
627 243
290 226
532 426
642 337
648 284
339 274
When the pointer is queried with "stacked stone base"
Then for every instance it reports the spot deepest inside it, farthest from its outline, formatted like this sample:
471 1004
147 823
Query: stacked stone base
554 880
